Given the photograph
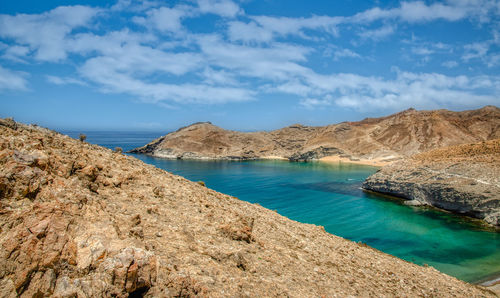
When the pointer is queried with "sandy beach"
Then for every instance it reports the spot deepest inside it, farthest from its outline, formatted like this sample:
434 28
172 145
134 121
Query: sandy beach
369 162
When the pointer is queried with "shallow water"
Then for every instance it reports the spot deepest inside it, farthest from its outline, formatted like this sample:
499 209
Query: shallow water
330 195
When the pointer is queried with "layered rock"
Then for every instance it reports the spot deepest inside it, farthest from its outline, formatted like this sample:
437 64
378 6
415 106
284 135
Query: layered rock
80 220
464 179
388 138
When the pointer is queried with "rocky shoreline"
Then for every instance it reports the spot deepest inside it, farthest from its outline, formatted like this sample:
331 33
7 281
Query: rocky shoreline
462 179
81 220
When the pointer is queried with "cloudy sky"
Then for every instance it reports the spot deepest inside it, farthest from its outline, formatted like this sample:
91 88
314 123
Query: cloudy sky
247 65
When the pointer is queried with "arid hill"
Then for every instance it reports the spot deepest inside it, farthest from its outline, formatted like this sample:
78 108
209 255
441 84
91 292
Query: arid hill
78 220
388 138
464 179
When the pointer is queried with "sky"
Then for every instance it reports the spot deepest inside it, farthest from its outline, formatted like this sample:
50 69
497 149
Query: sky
243 65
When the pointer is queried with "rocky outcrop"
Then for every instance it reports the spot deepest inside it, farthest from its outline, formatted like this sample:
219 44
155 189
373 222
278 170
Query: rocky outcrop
463 179
78 220
315 154
384 139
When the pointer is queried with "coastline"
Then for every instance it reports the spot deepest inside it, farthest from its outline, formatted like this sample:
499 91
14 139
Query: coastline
273 157
377 162
492 284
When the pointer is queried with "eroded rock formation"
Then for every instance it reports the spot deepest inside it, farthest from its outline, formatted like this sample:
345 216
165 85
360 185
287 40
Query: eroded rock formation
464 179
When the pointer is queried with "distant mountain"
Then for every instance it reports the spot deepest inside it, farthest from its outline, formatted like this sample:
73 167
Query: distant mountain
388 138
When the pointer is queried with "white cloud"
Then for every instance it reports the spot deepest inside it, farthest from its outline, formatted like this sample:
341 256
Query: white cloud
111 43
424 90
247 32
142 60
129 52
135 6
16 53
277 62
342 53
313 103
377 34
284 26
46 33
475 50
294 86
12 80
419 11
129 67
219 77
115 82
224 8
450 64
64 80
493 60
165 19
423 51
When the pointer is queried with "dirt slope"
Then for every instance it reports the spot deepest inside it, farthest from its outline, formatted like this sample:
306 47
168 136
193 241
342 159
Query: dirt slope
388 138
79 220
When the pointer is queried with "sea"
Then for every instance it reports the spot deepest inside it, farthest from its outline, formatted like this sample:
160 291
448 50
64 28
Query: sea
330 195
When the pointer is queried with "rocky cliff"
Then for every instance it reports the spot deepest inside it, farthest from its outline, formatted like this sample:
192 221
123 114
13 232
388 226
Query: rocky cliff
388 138
464 179
80 220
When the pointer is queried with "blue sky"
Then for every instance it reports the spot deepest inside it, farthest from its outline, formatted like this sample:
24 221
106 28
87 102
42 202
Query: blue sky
246 65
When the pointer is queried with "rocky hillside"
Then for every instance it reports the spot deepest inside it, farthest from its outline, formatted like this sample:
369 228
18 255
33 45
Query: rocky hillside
80 220
464 179
388 138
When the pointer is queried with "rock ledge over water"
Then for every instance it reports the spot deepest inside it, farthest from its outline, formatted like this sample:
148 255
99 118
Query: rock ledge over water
463 179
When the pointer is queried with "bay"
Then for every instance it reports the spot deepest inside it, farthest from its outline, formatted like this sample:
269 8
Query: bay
330 195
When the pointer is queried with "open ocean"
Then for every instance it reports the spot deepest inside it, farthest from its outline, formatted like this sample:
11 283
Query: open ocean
330 195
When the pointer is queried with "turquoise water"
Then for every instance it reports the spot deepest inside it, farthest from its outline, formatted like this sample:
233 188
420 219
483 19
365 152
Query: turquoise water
330 195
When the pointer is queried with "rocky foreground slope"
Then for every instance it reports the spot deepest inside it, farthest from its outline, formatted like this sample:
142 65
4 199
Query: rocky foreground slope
464 179
80 220
386 139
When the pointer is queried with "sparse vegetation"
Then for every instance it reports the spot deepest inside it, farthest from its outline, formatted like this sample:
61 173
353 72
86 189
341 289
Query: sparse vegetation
201 183
118 150
82 137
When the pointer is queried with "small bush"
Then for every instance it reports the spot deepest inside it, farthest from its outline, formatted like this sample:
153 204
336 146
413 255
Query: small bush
201 183
83 137
119 150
